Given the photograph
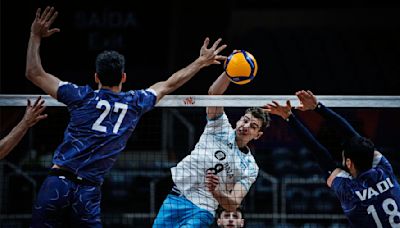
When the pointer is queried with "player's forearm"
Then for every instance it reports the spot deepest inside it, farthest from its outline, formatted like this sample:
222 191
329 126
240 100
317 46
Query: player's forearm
347 131
228 201
217 88
34 66
183 75
220 85
13 138
322 155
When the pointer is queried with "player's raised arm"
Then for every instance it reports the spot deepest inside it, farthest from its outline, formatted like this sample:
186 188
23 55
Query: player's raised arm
32 115
322 155
208 56
308 101
217 88
40 28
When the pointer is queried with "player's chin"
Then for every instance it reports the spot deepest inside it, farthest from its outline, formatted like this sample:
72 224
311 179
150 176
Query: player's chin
243 137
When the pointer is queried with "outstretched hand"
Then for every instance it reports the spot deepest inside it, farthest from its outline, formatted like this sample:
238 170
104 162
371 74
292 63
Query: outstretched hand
211 55
308 101
41 25
33 113
276 109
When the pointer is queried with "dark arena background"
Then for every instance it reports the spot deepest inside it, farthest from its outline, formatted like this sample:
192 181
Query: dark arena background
333 48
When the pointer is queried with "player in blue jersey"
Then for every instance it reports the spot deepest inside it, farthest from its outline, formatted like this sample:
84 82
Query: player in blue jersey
33 114
366 186
100 124
219 171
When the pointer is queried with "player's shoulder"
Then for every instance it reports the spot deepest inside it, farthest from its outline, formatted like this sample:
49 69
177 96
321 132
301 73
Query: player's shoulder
69 92
251 161
141 92
73 85
339 179
382 163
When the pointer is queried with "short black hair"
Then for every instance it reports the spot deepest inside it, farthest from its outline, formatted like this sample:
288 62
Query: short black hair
221 209
110 65
361 152
261 115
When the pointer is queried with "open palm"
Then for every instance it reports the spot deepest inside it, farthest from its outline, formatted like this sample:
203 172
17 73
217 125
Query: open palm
41 25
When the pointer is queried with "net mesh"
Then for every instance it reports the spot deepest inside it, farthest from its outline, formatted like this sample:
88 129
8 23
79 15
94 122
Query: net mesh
288 191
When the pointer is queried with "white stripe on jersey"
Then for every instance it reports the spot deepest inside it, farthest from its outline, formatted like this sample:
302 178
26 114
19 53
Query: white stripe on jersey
376 160
344 174
151 91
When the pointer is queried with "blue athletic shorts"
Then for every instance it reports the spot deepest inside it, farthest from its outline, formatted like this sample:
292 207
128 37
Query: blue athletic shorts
64 203
177 211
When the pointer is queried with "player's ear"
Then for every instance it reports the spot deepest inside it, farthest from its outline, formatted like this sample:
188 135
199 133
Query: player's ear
241 222
260 133
96 78
219 222
123 79
348 163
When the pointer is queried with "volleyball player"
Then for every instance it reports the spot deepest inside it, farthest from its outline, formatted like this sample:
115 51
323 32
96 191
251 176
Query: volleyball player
101 122
219 171
33 114
366 186
230 219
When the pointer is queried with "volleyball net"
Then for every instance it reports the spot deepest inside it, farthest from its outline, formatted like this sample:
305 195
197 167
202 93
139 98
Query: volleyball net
288 192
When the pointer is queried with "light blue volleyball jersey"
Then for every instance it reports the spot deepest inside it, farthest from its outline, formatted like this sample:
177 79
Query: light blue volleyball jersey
217 151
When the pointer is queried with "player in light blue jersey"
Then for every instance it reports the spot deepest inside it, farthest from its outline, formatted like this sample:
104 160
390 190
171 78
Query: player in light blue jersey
366 186
101 122
219 171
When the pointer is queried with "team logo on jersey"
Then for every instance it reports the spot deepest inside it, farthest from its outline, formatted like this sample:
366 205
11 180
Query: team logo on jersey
220 155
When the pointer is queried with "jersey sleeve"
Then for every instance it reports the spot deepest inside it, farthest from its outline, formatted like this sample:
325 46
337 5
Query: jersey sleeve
249 177
146 99
218 126
71 94
341 124
341 186
380 161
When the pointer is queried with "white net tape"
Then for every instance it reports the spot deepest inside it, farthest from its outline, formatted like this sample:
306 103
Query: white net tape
235 100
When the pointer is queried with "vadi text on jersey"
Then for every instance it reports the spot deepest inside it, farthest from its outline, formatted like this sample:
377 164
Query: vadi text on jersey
370 192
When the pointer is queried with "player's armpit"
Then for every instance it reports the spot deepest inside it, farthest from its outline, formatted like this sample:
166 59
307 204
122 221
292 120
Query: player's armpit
333 176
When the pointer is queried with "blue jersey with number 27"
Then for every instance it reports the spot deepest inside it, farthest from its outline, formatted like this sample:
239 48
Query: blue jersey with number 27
101 122
373 198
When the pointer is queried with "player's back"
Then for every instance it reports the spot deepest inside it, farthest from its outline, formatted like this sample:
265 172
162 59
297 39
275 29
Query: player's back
100 124
372 199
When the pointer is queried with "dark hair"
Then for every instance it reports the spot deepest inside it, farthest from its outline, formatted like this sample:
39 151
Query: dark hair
361 152
261 115
221 209
110 65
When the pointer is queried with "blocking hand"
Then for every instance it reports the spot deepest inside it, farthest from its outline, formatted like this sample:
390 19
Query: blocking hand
41 25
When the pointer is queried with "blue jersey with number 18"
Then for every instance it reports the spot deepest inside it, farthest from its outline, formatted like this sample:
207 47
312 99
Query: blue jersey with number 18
101 122
373 198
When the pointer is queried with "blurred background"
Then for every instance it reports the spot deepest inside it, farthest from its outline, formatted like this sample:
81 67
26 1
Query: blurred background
330 47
